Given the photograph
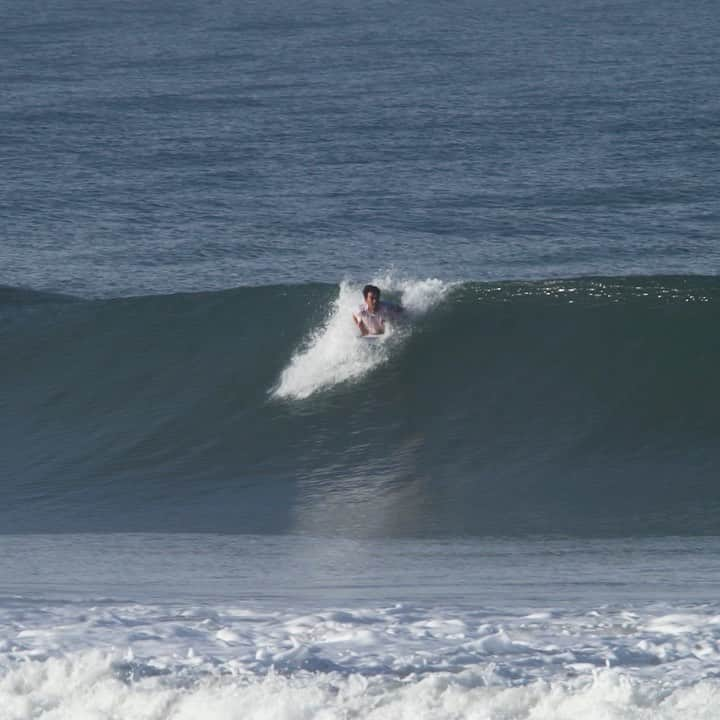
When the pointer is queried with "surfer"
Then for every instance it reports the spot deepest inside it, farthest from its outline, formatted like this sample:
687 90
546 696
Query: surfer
372 314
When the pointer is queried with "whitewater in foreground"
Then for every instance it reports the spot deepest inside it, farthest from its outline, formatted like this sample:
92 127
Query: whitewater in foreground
223 628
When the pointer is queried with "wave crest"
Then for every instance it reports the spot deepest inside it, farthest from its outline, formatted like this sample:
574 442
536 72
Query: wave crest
334 353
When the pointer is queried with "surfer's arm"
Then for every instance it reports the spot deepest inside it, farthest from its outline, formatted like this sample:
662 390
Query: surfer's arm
361 325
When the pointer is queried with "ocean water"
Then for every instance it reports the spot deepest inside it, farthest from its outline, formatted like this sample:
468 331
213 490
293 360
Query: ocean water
218 502
242 626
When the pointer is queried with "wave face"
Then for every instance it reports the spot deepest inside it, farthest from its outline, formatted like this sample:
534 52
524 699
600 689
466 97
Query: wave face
576 407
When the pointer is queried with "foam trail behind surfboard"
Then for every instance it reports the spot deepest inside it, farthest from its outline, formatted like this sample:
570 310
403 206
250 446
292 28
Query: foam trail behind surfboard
332 354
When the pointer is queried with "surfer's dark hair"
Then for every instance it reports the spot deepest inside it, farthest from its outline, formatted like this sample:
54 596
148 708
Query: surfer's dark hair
371 289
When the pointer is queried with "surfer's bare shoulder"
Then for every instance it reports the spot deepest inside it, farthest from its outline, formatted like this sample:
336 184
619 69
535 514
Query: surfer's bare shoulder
371 315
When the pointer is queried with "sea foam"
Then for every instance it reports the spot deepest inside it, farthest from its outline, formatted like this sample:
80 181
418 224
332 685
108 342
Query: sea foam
169 662
334 353
286 628
92 685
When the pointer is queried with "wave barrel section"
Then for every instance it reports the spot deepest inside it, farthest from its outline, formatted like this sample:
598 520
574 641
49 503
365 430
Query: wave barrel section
575 407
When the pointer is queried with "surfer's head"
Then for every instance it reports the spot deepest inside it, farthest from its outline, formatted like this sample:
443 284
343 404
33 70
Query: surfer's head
371 293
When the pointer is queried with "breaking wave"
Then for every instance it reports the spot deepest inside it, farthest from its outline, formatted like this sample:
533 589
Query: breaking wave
588 405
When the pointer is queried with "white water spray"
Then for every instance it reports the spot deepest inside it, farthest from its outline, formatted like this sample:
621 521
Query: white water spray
334 354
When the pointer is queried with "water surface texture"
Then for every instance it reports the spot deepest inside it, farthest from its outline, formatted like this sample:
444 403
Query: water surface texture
218 502
153 147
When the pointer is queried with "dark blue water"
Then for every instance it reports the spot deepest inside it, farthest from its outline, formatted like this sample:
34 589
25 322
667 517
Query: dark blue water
574 407
202 148
193 146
